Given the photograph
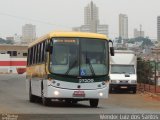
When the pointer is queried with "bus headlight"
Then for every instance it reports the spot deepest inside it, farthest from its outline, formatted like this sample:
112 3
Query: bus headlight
56 93
101 94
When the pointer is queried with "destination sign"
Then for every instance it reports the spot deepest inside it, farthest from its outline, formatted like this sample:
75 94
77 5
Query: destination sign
65 41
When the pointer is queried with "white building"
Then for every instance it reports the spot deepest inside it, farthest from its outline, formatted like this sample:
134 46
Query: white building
138 33
28 33
123 26
91 21
91 16
103 29
12 57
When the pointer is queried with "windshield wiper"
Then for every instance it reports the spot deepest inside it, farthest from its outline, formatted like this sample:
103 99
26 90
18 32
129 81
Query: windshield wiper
90 65
72 66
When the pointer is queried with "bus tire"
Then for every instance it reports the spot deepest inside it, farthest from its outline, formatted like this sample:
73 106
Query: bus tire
74 101
45 101
93 102
32 98
68 101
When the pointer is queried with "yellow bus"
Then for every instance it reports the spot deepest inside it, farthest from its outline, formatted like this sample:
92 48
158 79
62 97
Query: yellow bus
69 66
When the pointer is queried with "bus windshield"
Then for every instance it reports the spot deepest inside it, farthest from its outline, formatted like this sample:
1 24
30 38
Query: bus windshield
79 57
122 69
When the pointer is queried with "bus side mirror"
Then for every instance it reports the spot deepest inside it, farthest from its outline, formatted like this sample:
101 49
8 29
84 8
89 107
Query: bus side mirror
112 51
49 49
111 48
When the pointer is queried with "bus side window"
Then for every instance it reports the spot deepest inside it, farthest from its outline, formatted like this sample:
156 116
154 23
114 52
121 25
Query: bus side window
39 51
45 45
41 58
33 61
28 57
43 51
32 55
38 54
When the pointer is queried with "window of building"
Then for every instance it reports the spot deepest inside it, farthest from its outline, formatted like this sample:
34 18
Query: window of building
9 52
24 54
14 53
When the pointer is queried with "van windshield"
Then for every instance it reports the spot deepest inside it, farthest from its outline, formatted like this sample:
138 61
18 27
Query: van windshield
122 69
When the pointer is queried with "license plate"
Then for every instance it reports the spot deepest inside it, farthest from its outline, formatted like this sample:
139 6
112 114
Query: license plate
78 94
123 87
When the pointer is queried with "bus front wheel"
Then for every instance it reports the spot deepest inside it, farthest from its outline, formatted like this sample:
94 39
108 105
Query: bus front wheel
32 98
45 101
93 102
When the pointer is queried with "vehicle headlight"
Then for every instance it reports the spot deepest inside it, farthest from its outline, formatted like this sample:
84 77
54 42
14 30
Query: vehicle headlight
101 94
56 93
133 81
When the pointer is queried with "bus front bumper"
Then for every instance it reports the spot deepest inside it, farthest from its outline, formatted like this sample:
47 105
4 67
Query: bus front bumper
57 93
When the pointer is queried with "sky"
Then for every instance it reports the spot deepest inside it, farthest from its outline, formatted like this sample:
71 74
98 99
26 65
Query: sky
51 15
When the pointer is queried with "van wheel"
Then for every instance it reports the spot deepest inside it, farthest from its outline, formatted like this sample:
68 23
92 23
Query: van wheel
93 102
134 91
110 89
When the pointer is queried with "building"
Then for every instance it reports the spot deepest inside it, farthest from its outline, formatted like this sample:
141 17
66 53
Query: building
138 33
103 29
10 38
91 21
12 57
91 16
17 38
158 29
28 33
123 26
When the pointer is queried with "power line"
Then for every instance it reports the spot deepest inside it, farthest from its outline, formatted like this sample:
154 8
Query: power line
35 20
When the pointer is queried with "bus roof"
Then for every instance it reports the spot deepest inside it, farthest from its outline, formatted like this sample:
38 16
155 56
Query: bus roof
69 34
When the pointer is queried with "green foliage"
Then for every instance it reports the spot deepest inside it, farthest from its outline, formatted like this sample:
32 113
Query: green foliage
144 71
119 40
3 41
145 41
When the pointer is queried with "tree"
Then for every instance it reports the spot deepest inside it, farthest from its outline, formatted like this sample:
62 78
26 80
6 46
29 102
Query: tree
145 41
119 40
3 41
144 71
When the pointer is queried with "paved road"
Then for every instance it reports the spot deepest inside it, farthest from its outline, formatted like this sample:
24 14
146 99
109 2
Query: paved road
14 99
